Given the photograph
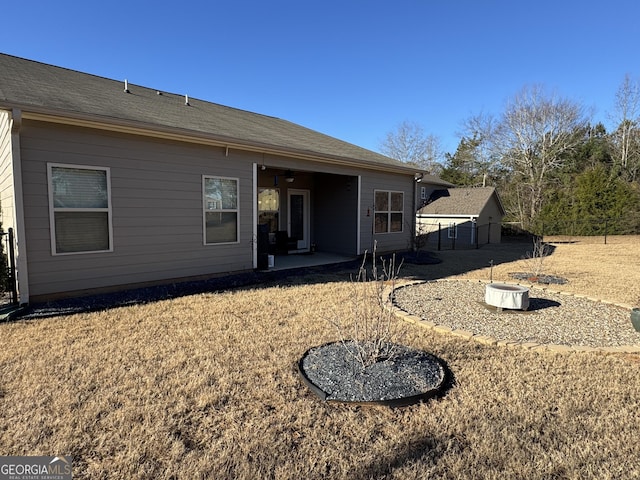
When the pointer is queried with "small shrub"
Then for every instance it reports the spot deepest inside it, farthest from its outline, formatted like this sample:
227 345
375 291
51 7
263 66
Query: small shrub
538 255
370 334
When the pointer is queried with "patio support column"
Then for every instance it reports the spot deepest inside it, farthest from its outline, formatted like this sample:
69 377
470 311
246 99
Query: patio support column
18 205
254 209
359 219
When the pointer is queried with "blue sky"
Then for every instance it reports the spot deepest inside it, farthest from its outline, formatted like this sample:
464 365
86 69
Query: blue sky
353 69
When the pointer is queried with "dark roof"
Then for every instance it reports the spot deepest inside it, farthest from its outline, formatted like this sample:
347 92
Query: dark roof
460 201
40 88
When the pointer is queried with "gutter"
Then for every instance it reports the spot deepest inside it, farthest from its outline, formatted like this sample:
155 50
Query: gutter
175 133
449 215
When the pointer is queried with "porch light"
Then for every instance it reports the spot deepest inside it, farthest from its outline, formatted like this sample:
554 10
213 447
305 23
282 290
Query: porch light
288 176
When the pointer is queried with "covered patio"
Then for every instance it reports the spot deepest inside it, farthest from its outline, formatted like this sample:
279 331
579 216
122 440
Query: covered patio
288 262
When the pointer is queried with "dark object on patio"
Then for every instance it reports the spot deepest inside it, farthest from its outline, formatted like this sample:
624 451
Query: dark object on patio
263 246
284 243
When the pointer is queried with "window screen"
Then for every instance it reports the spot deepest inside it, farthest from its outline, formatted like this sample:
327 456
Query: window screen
80 206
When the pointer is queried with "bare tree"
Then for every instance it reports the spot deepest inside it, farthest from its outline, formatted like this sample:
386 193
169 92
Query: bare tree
536 133
479 130
409 143
626 137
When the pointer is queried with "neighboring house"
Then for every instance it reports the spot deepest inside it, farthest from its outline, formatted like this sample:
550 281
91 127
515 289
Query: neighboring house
468 216
108 185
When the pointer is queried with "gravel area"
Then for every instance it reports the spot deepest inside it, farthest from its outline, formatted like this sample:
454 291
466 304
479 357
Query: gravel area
336 372
552 318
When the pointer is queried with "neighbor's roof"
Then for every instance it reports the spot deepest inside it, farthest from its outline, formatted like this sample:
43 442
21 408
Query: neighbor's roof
46 89
460 201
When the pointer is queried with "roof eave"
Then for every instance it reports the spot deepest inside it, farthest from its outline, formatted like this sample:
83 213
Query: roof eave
448 215
175 133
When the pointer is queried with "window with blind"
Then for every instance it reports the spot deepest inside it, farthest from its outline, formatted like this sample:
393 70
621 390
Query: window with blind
221 213
80 209
389 211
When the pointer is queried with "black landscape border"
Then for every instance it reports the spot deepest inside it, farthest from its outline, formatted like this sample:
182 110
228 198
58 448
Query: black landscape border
392 403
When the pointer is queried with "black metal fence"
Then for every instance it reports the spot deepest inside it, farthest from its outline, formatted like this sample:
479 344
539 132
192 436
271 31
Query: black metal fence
469 235
592 229
604 227
457 236
8 284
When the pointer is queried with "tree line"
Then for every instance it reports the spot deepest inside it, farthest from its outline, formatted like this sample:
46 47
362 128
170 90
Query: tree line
551 165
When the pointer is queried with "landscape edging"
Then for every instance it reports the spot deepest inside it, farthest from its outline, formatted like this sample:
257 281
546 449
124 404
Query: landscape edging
491 341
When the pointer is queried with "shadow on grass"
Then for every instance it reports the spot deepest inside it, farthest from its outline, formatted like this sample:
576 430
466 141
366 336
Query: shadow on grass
457 262
421 449
140 296
424 450
431 266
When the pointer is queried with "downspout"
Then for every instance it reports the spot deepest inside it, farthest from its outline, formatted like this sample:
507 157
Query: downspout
414 212
473 229
254 199
359 218
22 273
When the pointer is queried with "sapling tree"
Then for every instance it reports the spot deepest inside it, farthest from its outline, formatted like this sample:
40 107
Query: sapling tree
370 335
538 255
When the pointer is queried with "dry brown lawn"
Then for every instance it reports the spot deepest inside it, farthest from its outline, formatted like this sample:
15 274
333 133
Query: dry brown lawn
205 387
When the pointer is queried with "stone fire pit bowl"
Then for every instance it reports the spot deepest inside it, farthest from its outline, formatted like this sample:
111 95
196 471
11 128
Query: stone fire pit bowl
502 295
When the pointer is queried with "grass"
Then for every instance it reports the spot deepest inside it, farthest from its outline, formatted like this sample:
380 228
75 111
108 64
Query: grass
205 386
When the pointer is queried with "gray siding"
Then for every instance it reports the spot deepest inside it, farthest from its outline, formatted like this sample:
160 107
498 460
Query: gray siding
430 226
156 193
6 175
336 214
491 219
156 196
488 227
429 189
387 242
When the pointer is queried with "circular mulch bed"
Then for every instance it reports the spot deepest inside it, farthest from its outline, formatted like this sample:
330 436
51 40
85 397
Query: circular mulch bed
334 374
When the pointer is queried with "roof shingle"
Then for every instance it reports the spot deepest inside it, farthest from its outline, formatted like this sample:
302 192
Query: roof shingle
459 201
42 88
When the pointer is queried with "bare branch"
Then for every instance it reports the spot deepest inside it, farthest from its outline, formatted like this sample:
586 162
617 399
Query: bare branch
408 143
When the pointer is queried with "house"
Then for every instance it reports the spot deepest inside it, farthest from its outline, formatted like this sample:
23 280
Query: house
466 216
109 185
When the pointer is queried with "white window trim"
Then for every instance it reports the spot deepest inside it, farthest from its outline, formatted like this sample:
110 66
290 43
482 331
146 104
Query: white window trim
52 209
389 212
226 210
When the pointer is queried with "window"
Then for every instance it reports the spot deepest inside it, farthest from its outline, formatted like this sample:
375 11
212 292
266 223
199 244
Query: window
389 207
269 208
453 230
220 201
423 193
80 209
